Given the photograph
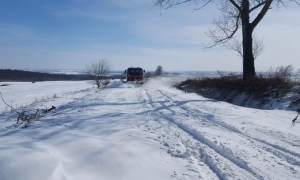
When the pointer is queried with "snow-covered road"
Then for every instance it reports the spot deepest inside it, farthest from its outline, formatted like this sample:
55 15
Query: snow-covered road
151 131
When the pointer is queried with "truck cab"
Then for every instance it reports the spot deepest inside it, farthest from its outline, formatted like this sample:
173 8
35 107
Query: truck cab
135 74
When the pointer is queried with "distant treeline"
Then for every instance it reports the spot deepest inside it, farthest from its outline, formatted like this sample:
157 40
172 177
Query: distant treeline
28 76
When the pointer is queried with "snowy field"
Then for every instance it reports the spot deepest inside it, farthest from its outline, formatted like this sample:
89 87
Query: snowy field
142 132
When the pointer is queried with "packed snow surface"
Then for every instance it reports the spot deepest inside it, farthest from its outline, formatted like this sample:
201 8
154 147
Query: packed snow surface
142 132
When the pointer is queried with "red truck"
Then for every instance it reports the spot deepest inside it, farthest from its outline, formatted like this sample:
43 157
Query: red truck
135 74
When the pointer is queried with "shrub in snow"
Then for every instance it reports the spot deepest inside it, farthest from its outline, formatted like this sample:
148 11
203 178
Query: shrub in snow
258 91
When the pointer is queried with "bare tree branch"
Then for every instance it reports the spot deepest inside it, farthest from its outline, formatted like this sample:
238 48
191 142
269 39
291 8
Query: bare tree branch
178 3
227 25
261 14
205 4
296 1
235 5
166 4
258 46
236 45
257 6
9 105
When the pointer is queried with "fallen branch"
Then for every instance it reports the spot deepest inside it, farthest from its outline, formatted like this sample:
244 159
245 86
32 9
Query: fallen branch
25 116
48 110
9 105
294 120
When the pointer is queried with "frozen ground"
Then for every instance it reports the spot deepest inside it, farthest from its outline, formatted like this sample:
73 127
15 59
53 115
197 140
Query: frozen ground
151 131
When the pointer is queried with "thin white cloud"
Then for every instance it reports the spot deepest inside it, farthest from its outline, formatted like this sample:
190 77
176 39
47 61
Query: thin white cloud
175 34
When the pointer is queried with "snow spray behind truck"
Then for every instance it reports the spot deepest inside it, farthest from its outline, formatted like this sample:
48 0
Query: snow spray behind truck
135 74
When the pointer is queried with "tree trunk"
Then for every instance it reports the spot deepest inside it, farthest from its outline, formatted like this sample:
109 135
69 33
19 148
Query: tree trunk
248 58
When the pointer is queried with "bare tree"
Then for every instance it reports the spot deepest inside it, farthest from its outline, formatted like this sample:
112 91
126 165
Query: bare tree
237 46
236 14
99 70
159 70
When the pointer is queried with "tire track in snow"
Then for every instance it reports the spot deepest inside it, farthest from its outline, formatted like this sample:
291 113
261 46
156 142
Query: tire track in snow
148 104
277 150
205 156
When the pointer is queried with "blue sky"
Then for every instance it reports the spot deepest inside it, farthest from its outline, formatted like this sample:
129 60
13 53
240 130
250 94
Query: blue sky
69 34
